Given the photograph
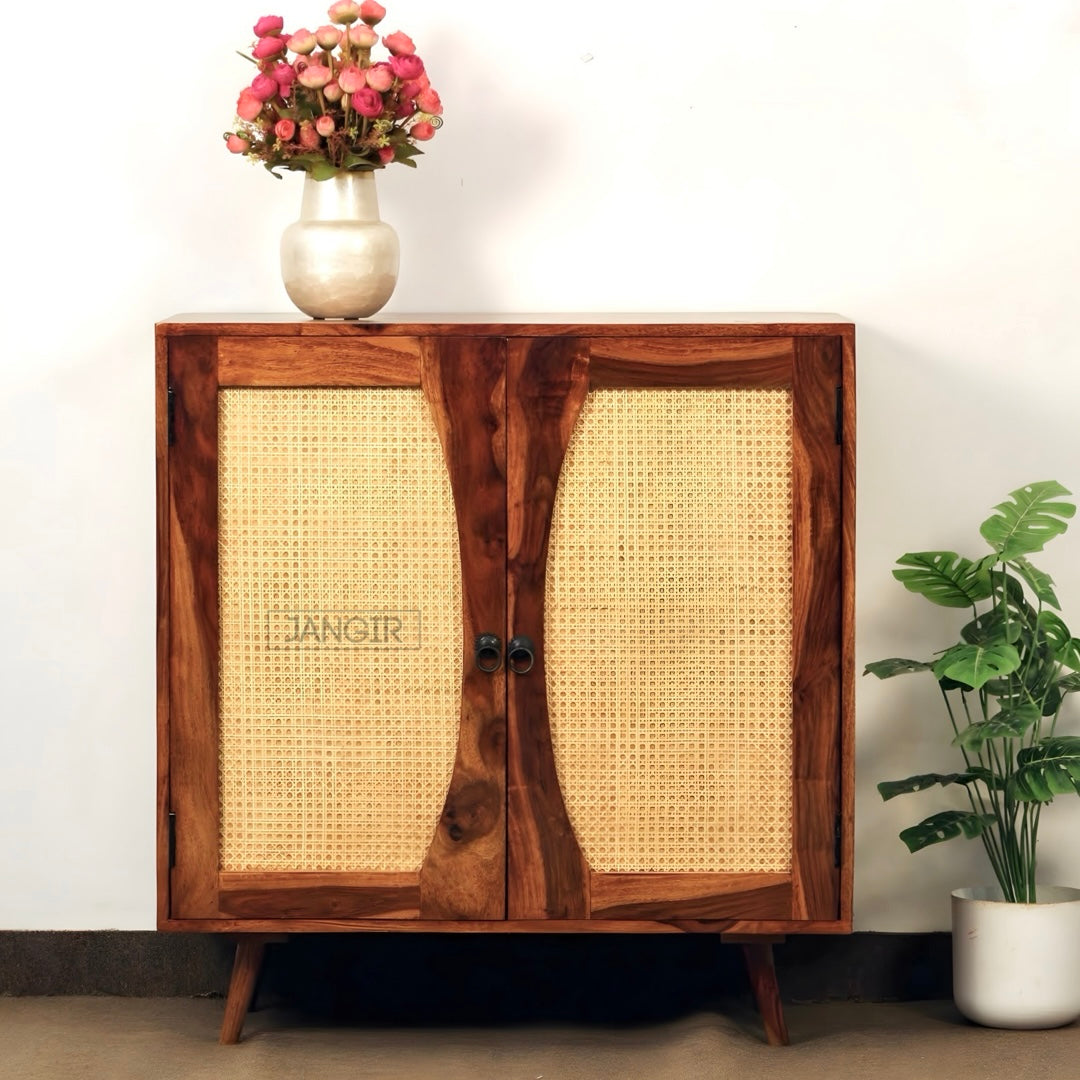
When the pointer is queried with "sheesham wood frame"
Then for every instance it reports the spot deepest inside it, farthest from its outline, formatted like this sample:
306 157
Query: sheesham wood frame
537 880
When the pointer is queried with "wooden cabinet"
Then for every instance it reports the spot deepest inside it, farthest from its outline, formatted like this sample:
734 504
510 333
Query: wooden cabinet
501 624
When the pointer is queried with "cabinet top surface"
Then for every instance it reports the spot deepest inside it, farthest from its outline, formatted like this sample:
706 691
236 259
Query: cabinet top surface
513 324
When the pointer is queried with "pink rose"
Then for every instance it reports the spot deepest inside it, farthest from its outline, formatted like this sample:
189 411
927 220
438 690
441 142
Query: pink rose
237 145
379 76
351 79
285 129
284 76
303 42
324 125
333 93
309 137
368 102
428 101
248 106
372 12
267 46
386 154
328 37
406 108
422 131
410 89
314 76
399 44
363 37
406 66
264 86
269 24
345 12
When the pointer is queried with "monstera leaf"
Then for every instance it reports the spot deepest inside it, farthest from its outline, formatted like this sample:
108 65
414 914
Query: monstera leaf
1042 584
889 789
895 665
945 578
1029 521
1007 724
1051 767
947 825
974 665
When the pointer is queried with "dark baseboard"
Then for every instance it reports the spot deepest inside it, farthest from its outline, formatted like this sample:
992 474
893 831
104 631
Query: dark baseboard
448 977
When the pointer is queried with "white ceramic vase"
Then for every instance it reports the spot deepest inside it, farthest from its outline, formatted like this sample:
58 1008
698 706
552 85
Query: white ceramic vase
339 260
1017 965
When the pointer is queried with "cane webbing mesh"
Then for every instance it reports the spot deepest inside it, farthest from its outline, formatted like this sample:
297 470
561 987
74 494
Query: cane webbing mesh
668 630
340 614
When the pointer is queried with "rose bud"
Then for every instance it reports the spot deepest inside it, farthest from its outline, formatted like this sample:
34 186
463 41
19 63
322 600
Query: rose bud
363 37
267 47
324 125
264 86
333 93
372 12
269 24
302 42
422 131
407 66
367 102
314 76
309 137
237 144
399 44
328 37
344 12
351 79
379 76
284 76
285 129
428 101
248 106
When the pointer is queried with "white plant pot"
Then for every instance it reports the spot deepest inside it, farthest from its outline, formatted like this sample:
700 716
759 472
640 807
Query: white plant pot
1017 965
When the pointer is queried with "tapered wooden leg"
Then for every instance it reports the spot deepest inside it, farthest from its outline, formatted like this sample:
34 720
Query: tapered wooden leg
762 972
250 949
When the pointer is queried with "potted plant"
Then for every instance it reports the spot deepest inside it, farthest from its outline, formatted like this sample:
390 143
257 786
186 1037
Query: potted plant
1016 946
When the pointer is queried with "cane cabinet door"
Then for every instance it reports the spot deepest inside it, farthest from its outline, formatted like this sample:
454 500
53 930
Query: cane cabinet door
674 550
335 540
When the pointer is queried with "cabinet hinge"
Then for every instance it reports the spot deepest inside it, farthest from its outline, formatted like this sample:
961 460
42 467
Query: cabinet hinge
171 414
839 428
172 839
837 840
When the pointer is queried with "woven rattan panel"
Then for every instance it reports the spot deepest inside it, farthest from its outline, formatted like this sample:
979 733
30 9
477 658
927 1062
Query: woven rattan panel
668 630
340 607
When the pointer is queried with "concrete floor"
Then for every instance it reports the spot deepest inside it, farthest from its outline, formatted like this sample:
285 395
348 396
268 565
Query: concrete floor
110 1038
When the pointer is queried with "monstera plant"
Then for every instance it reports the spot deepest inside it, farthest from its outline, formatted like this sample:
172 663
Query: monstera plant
1003 685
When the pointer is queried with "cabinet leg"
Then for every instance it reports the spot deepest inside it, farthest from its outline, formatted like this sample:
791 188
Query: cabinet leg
762 972
250 950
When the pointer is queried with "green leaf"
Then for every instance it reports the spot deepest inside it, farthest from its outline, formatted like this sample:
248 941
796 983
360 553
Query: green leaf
1070 683
1028 522
946 825
886 669
1051 767
974 665
1042 584
889 789
1010 723
1053 630
992 628
945 578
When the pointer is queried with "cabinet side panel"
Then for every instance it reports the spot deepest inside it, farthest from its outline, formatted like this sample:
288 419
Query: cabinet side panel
668 616
193 614
340 613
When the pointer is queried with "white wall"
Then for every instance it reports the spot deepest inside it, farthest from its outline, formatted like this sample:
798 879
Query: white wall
911 165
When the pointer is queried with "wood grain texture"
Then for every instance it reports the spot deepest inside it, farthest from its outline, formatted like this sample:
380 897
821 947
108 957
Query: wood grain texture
193 612
161 454
299 895
292 361
816 625
245 974
689 896
464 872
847 631
679 361
547 381
762 973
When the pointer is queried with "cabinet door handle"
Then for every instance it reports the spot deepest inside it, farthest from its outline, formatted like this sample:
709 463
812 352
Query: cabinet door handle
520 655
488 652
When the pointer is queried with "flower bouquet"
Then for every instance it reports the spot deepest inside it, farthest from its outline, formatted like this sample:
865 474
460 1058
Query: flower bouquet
320 104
